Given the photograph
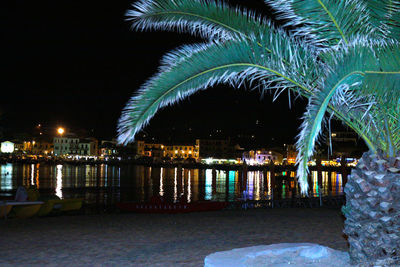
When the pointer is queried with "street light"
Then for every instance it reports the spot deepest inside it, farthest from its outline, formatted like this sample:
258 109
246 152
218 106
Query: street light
60 130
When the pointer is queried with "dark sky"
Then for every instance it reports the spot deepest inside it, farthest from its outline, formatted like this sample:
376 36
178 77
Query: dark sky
76 63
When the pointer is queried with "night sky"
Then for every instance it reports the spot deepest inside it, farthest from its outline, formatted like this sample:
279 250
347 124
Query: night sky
76 63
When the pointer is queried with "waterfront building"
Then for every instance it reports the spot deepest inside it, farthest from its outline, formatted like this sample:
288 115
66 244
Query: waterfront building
213 148
183 151
108 148
219 149
166 152
33 147
7 147
72 145
153 150
262 156
88 147
18 147
41 147
66 145
138 148
345 143
131 150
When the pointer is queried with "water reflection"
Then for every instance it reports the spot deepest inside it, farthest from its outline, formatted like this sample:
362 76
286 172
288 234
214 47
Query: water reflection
161 182
59 181
108 184
208 186
6 181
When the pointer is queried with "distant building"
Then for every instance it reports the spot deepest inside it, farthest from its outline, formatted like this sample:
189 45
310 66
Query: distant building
345 143
184 152
344 137
18 147
153 150
138 148
41 147
131 150
88 147
108 148
66 145
7 147
170 152
212 148
72 145
291 154
219 149
262 156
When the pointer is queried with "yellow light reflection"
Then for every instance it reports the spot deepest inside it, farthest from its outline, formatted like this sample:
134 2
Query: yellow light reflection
176 185
37 175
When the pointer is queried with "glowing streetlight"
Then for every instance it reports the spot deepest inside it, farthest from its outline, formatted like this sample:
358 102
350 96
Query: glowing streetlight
60 130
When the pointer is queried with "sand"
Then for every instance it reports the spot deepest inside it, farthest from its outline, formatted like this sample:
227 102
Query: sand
160 239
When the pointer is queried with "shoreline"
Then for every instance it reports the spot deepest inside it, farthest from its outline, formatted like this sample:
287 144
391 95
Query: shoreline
202 166
132 239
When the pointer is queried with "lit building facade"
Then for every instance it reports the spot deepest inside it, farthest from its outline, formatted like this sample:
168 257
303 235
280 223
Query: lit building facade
71 145
181 152
170 152
42 147
66 145
108 149
262 156
88 147
7 147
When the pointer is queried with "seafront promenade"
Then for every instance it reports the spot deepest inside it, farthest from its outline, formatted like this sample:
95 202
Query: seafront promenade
129 239
186 165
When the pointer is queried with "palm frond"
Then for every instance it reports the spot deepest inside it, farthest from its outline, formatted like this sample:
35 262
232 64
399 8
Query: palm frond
197 67
313 120
208 19
364 85
385 17
330 21
382 86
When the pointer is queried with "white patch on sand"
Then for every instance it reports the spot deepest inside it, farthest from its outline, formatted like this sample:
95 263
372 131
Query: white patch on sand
284 254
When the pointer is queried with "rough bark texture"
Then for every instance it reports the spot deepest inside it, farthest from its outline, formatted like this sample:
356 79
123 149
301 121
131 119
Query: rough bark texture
373 211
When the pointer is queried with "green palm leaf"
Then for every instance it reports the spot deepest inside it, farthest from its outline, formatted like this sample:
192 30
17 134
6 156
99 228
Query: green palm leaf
385 16
328 20
193 68
341 54
207 19
364 86
313 118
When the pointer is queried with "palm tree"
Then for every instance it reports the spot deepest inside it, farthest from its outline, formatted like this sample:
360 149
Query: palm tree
343 55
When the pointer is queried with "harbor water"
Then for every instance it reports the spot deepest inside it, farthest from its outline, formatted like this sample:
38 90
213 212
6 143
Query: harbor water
104 185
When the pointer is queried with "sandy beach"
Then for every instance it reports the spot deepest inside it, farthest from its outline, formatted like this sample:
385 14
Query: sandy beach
159 239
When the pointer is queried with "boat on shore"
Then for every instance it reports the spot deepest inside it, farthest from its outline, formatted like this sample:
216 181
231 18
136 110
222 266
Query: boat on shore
55 205
164 207
21 209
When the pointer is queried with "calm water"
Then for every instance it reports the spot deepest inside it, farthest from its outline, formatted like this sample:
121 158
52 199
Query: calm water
105 185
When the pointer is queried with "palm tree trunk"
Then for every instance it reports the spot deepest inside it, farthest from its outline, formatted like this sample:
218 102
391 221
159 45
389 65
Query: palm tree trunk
373 211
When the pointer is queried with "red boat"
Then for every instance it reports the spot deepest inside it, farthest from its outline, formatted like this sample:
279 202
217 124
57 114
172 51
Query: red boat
162 207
